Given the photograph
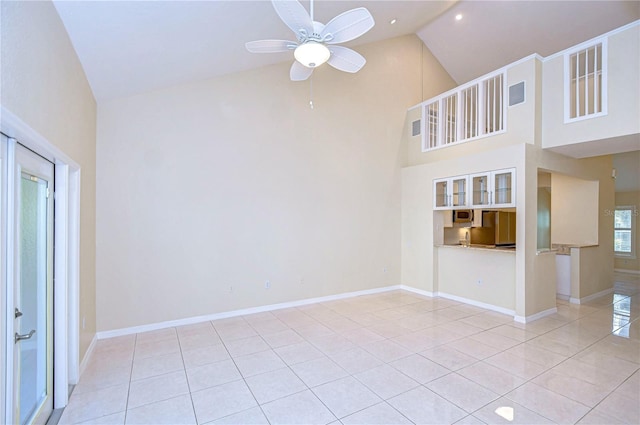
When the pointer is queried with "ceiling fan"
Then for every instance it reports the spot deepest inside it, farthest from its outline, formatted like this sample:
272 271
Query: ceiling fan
316 41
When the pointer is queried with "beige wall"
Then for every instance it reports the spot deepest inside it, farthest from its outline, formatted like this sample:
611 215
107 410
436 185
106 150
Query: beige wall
422 228
209 189
487 276
575 211
625 199
43 83
594 170
623 100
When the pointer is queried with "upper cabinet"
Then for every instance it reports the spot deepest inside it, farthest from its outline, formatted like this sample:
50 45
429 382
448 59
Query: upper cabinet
494 189
451 193
490 189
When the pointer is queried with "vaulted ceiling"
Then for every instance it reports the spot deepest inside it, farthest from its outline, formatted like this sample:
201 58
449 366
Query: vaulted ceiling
129 47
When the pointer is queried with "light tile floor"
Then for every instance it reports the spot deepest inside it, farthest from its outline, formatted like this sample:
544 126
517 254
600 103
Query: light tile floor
390 358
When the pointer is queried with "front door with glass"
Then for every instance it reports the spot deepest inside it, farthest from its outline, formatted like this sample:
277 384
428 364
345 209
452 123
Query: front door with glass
32 288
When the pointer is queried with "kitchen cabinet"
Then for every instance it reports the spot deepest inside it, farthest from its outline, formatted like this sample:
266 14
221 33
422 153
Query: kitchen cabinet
495 189
451 193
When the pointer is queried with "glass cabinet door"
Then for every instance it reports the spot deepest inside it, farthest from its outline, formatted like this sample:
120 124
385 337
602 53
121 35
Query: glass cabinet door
441 194
480 190
503 187
459 191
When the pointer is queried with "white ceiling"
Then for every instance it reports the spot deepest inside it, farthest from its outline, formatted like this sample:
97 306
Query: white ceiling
129 47
495 33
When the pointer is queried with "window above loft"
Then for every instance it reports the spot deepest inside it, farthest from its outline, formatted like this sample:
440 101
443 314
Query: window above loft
585 87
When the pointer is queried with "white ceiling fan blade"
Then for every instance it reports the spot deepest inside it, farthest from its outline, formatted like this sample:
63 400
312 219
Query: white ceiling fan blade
345 59
270 46
299 72
348 25
294 15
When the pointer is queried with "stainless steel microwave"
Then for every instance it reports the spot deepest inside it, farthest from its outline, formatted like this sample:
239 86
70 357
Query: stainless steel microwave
462 216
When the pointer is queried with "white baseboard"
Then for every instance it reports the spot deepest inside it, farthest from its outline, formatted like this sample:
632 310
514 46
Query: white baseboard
459 299
590 297
626 271
87 357
540 315
475 303
272 307
562 297
241 312
418 291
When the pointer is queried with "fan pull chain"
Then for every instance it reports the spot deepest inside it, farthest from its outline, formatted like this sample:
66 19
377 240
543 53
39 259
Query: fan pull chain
311 92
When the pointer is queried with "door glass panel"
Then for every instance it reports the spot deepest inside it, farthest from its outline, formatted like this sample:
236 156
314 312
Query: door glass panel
480 190
441 194
459 192
33 295
502 186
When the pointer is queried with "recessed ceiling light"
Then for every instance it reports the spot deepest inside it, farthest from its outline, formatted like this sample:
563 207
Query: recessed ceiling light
393 21
458 16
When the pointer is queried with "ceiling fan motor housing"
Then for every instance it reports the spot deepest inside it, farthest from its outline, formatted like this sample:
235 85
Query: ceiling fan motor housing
311 49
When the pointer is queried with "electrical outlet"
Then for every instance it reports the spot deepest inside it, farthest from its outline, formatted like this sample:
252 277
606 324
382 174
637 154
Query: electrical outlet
267 285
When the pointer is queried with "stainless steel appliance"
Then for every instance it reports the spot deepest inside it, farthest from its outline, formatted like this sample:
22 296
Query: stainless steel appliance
463 216
503 224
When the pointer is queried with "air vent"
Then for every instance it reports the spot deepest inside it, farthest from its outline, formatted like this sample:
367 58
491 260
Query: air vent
415 128
516 94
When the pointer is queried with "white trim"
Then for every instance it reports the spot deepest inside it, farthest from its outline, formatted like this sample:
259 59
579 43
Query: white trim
567 80
475 303
9 280
540 315
66 281
241 312
73 284
479 79
418 291
60 304
627 271
3 318
632 231
562 297
88 354
590 297
463 141
457 94
19 130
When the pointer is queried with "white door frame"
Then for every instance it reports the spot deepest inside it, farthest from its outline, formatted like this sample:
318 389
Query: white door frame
66 262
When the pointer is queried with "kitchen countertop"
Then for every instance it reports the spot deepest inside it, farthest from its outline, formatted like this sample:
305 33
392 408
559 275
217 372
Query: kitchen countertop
492 248
561 249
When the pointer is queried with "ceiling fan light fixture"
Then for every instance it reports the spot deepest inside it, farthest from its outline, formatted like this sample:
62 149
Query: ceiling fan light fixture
312 54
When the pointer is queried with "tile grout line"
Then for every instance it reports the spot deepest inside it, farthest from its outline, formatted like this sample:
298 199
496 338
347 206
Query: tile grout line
133 360
395 305
193 407
240 372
